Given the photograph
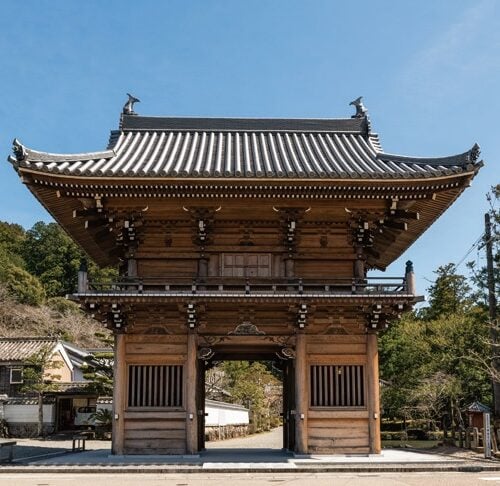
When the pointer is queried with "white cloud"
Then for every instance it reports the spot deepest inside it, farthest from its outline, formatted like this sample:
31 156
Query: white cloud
463 53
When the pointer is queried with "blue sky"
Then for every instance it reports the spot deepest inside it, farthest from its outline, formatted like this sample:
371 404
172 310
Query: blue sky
429 73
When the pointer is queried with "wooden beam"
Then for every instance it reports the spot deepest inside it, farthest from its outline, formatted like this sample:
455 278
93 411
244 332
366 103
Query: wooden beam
373 253
93 223
373 394
400 225
85 213
404 214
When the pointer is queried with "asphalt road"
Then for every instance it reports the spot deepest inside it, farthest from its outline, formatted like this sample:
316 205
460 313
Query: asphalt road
305 479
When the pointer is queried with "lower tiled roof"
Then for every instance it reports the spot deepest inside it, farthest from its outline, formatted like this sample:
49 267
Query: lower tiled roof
18 349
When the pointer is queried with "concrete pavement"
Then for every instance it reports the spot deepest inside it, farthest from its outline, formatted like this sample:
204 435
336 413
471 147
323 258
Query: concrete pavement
243 455
254 479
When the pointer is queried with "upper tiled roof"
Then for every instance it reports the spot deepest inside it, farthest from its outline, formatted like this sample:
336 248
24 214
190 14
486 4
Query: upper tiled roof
156 147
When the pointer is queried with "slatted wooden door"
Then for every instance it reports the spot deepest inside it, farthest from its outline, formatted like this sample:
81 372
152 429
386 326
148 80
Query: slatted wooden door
246 265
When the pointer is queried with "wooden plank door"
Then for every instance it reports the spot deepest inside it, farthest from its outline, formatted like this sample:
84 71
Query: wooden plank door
246 265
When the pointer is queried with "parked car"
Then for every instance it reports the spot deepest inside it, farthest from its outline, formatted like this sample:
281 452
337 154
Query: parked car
84 417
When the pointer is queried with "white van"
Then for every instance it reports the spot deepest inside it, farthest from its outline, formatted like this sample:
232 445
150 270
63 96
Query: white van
84 416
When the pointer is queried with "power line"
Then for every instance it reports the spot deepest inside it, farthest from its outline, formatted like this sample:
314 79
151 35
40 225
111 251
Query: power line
469 251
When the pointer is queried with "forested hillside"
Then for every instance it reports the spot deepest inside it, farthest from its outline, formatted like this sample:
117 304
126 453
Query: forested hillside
38 268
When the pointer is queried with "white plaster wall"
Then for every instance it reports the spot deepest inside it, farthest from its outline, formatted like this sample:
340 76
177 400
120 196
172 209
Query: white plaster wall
28 413
219 415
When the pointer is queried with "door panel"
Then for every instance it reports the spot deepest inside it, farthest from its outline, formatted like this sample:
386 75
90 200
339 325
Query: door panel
246 265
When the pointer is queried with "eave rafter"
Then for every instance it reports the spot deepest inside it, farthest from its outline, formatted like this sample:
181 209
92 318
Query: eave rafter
295 189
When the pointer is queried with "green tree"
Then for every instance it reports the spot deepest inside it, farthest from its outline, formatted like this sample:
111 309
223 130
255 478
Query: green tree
39 379
24 287
52 256
449 294
432 360
98 369
12 237
254 386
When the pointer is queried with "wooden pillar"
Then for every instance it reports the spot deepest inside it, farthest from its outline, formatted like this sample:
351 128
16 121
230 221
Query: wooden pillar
301 394
373 393
119 395
359 264
203 267
191 379
83 283
131 267
410 280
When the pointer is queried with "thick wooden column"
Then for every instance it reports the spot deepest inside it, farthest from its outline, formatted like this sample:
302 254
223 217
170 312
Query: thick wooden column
191 378
373 393
301 394
119 394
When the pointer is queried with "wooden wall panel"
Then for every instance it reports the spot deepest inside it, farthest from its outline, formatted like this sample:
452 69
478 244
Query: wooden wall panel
337 430
327 269
155 430
167 267
335 436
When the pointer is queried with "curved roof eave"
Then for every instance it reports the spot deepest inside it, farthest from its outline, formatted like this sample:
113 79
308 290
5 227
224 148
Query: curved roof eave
301 164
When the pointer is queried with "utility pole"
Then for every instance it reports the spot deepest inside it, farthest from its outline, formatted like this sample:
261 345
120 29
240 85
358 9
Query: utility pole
492 308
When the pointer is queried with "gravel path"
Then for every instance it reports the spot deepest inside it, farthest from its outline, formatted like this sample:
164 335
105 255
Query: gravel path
264 440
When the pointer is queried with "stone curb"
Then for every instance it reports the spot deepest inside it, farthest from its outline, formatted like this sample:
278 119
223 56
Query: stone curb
175 469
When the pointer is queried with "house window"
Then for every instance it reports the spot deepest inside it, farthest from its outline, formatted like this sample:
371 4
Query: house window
337 386
16 375
155 386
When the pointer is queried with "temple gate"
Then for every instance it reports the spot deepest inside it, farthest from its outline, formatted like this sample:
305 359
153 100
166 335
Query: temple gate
245 239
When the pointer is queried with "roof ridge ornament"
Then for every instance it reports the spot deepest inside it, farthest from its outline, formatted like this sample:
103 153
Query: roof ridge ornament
19 150
474 153
361 111
128 108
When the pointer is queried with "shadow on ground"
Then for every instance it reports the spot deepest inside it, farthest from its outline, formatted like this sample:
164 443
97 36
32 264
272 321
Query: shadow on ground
24 452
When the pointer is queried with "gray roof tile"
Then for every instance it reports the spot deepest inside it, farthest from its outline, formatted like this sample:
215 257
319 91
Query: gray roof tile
243 148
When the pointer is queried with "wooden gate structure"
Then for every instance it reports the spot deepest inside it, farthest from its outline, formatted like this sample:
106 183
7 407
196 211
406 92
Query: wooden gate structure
251 239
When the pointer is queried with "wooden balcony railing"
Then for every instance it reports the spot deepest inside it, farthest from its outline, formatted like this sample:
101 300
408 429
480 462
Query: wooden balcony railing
251 285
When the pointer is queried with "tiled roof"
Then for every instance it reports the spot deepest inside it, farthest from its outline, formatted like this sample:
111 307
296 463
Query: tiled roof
18 349
478 407
155 147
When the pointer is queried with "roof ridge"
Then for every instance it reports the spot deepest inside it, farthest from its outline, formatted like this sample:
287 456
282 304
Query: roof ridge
236 124
22 153
31 338
469 157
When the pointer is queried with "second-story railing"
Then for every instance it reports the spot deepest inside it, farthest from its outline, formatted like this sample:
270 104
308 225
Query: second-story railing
251 285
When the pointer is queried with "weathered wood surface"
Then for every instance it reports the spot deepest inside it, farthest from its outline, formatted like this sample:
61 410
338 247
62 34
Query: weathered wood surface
373 394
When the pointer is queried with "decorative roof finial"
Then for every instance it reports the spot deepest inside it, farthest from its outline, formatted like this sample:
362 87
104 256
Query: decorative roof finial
409 267
19 150
361 111
128 109
474 153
